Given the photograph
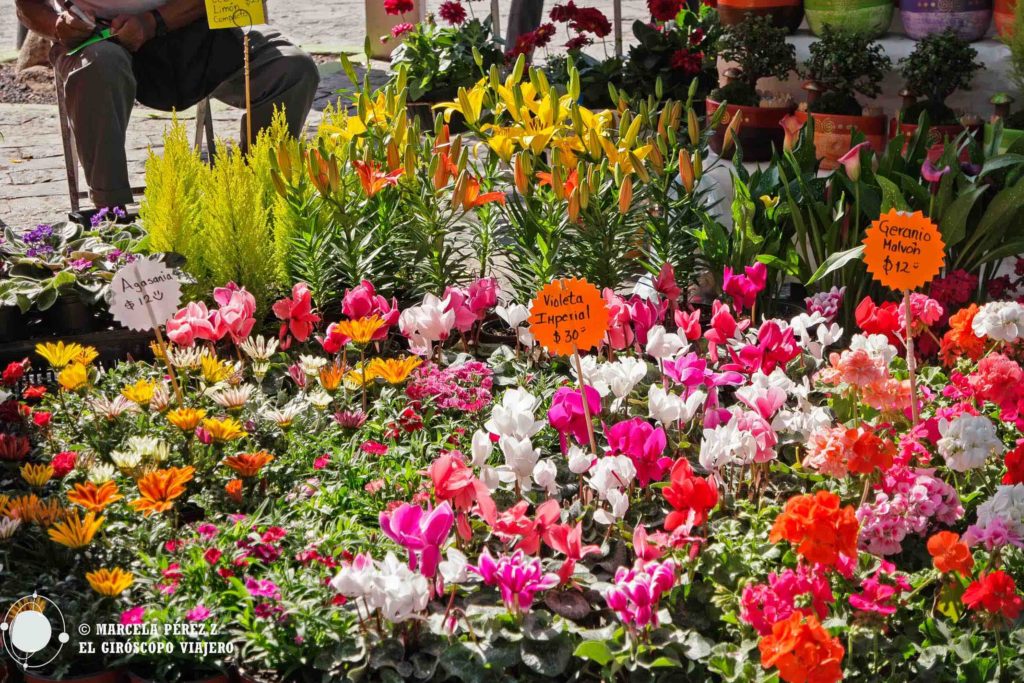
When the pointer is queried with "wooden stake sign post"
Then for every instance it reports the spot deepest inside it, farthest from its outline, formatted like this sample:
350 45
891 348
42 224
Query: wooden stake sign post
243 14
904 251
566 316
143 296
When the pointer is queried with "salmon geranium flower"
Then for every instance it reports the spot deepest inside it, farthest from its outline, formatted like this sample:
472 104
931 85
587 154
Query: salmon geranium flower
950 554
110 582
159 489
818 527
248 464
802 650
95 498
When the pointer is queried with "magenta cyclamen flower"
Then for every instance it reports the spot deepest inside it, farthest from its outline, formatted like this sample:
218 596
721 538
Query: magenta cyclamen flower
744 288
636 592
645 314
517 577
764 604
644 445
566 413
420 532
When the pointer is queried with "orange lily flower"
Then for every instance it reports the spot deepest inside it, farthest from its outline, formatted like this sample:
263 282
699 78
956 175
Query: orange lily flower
569 184
95 498
159 489
471 197
373 179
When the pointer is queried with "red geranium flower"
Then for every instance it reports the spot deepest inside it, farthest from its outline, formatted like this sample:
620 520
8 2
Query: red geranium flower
1015 465
995 593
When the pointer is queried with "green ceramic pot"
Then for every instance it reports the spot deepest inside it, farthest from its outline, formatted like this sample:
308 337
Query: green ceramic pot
871 17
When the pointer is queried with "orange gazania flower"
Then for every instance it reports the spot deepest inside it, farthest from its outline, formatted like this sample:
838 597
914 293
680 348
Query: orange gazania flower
802 650
74 531
95 498
393 370
818 527
248 464
22 506
331 376
46 512
950 554
469 194
186 419
4 505
160 488
110 582
373 179
234 490
36 474
361 330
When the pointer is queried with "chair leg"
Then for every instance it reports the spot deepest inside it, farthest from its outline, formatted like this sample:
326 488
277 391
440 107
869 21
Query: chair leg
204 128
68 138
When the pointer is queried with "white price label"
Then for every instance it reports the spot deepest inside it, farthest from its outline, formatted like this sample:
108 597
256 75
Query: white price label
144 294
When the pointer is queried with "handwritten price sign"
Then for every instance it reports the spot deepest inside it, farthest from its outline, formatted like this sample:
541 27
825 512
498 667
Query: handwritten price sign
903 251
567 316
235 13
144 294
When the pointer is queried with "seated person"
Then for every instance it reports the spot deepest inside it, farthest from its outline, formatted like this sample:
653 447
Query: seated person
165 56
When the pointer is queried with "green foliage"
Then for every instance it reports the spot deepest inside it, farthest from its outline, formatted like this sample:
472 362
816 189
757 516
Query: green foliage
597 76
654 64
442 59
940 64
759 48
843 63
1015 42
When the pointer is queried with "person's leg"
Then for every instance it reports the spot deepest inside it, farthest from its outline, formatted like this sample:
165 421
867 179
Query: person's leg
99 89
281 75
523 17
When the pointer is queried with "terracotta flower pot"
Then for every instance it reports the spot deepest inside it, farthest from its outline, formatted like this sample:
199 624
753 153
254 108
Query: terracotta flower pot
785 13
969 19
759 133
936 134
871 17
101 677
832 134
1003 13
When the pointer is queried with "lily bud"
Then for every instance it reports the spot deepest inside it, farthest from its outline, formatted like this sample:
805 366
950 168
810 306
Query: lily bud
574 207
318 173
625 194
731 131
459 191
521 174
557 186
698 165
657 160
279 186
410 160
639 168
692 126
284 160
686 174
394 159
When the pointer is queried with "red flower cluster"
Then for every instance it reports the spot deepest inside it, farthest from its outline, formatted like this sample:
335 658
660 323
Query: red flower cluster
884 319
818 527
996 594
396 7
452 12
13 373
869 452
1015 465
63 463
664 10
688 62
690 496
803 651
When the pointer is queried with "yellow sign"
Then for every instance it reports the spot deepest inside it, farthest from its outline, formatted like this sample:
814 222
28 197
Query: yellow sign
235 13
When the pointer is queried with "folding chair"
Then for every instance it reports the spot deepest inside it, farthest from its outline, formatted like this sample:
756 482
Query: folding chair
204 129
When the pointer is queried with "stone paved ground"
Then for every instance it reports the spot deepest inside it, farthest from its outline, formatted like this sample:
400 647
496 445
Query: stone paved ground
33 185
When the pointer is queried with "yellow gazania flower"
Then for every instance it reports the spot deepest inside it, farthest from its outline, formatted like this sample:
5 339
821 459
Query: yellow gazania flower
330 377
393 370
141 392
95 498
36 475
224 430
361 330
357 379
186 419
76 532
59 354
110 582
215 370
87 356
73 377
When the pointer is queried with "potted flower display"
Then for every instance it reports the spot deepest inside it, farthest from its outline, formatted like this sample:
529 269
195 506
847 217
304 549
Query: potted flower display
940 64
869 17
760 50
969 19
842 64
785 13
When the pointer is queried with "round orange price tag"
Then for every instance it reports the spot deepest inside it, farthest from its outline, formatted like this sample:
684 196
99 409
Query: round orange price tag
568 315
903 251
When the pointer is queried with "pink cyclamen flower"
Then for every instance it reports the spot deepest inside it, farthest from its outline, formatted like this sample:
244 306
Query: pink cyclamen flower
458 304
198 613
689 324
133 615
191 323
483 296
429 322
363 301
296 314
619 335
236 316
665 284
517 577
744 288
637 592
421 532
566 414
644 315
644 445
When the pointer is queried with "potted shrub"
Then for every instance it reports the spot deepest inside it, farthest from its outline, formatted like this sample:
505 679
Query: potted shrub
869 17
760 50
439 60
940 64
969 19
783 13
842 64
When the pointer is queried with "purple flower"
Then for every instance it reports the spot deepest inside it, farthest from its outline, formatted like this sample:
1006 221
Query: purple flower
81 264
198 613
517 578
826 303
567 416
420 532
262 588
933 174
636 592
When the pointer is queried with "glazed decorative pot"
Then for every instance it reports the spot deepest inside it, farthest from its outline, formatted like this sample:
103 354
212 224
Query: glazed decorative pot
969 19
760 131
832 134
870 17
1003 13
937 134
784 13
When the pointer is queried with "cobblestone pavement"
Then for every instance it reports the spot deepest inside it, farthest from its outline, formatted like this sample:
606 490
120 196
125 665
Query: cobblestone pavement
33 185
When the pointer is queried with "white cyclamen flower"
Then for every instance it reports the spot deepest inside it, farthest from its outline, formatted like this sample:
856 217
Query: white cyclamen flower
514 416
1000 320
593 373
968 441
454 568
611 473
668 408
662 344
400 593
520 458
544 475
727 445
624 374
580 461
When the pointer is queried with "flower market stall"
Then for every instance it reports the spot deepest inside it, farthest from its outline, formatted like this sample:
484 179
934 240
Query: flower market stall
482 380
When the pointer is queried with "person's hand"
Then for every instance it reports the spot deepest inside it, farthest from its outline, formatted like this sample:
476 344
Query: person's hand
72 31
133 30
